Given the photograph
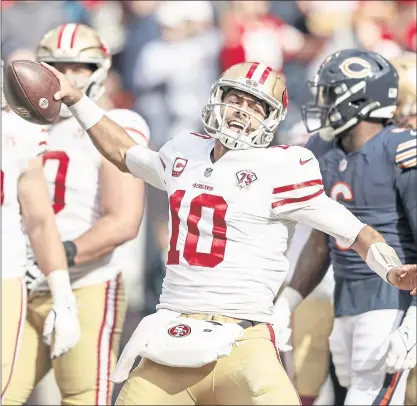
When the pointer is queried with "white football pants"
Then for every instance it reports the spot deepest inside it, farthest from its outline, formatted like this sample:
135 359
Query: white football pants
354 343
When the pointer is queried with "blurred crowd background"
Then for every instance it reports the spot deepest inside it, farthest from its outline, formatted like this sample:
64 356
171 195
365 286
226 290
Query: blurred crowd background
167 54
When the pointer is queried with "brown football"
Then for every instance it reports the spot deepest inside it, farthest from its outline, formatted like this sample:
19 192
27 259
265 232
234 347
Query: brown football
29 89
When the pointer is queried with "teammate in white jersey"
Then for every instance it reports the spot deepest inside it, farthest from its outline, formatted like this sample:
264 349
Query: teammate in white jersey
24 196
97 209
233 204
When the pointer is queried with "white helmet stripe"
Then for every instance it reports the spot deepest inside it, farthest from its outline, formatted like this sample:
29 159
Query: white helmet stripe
259 73
66 36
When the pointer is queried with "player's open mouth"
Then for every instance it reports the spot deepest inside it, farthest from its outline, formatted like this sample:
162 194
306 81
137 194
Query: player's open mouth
237 126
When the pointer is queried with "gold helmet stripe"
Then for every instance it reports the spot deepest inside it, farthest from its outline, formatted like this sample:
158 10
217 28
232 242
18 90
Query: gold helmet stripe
66 36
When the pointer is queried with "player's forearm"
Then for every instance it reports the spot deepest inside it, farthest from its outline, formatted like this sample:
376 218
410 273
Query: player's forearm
312 264
111 140
366 237
47 247
104 237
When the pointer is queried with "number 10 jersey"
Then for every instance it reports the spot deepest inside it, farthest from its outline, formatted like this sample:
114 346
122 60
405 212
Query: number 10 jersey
230 222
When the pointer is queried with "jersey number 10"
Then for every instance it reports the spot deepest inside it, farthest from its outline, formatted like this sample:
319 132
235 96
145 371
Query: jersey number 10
190 254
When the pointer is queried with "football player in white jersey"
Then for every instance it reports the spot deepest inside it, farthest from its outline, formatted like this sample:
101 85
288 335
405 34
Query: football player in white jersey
24 196
97 208
233 204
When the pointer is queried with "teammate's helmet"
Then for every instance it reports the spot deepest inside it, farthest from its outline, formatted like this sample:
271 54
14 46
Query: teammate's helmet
260 81
351 86
407 93
77 43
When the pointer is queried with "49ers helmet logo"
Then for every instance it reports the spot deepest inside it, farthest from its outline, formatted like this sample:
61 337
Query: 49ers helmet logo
181 330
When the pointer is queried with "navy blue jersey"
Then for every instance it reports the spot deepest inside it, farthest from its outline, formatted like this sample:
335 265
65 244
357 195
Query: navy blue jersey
378 185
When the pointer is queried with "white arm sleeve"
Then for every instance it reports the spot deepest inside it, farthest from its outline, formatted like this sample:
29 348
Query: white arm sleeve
330 217
145 164
301 198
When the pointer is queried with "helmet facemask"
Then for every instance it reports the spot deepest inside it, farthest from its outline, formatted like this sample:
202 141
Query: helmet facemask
214 117
351 86
337 108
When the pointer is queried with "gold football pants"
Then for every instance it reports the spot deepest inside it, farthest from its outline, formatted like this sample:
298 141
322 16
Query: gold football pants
82 374
311 327
251 375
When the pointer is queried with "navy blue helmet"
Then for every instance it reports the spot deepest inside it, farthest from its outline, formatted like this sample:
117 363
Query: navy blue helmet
351 86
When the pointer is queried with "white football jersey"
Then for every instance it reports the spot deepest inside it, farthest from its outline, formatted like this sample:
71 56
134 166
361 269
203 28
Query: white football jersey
72 166
230 222
21 142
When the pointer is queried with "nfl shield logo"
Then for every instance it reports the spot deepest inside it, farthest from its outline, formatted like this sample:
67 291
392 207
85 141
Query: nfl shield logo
208 172
343 165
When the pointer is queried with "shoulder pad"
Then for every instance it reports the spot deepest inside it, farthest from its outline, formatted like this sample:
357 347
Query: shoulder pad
133 123
292 154
402 147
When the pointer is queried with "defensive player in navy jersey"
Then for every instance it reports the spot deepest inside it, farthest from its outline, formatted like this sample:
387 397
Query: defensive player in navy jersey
369 166
406 116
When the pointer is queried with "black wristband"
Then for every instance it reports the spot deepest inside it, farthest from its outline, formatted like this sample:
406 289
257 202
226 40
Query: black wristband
70 251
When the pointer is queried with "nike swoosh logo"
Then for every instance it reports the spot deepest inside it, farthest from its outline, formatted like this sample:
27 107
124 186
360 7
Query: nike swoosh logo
304 162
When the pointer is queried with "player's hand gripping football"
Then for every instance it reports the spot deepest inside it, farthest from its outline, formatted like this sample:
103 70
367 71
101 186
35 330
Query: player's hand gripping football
404 277
62 329
69 94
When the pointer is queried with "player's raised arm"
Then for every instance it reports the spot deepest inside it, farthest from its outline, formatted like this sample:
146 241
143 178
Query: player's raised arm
305 201
111 140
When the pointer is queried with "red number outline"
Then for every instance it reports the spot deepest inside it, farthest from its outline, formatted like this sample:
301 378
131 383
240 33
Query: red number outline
218 246
60 179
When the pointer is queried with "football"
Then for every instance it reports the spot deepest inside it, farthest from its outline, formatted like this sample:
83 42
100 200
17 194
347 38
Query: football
29 89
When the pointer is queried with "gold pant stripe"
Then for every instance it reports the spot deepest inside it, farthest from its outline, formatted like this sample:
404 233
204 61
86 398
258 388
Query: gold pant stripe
105 341
15 289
